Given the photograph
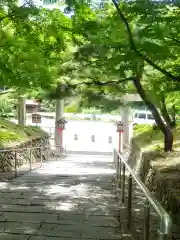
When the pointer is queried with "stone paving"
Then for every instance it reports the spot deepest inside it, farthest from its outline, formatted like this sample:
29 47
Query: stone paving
72 198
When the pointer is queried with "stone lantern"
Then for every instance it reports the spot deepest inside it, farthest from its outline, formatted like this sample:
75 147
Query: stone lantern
120 126
120 130
61 123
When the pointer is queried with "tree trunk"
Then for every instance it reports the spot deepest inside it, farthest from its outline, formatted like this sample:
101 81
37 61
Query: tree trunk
21 111
59 114
168 136
164 112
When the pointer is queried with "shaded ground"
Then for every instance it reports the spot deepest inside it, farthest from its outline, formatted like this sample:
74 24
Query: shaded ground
71 198
25 168
68 199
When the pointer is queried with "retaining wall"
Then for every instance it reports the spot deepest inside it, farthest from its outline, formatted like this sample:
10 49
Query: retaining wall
31 150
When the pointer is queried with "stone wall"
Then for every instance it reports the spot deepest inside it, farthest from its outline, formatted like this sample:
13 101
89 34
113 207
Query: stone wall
33 149
135 160
160 174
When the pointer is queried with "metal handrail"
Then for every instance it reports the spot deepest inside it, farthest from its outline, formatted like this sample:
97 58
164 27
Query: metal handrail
30 149
165 219
12 149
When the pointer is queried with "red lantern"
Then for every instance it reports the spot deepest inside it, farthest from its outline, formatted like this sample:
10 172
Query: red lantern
120 127
61 124
60 130
120 130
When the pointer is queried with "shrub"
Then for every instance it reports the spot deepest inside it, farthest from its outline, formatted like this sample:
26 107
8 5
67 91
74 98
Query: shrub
155 127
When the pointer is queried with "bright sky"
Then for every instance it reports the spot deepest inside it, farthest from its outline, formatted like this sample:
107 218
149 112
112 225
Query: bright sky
40 4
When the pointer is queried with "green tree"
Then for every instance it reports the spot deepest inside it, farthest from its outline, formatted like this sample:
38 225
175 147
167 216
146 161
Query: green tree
120 51
33 42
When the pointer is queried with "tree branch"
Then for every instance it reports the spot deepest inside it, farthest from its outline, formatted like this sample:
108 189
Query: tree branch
134 48
11 13
173 39
101 84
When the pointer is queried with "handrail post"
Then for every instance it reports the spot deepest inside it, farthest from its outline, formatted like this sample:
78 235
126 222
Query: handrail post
30 159
163 231
117 167
120 170
15 162
162 236
165 220
123 182
129 205
48 152
41 155
47 155
146 220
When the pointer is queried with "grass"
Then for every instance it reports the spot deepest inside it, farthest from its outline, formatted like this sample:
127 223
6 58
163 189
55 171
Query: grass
12 134
149 138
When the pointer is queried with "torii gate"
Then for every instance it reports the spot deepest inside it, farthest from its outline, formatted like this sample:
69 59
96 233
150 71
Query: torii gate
126 117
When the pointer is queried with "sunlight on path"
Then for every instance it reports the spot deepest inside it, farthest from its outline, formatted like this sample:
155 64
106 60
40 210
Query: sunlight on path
71 198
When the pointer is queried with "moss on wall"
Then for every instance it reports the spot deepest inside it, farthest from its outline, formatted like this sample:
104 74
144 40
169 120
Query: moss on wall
12 134
21 143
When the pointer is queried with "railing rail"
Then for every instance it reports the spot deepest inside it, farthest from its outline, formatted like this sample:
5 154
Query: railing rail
27 154
165 220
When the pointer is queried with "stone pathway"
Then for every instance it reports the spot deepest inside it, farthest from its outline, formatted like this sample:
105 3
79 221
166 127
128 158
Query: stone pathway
25 168
71 198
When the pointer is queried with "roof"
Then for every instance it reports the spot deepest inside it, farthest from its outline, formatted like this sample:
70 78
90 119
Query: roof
141 111
132 98
31 102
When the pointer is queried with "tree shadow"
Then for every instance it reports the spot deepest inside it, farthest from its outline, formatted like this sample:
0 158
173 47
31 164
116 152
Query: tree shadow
90 153
73 198
139 218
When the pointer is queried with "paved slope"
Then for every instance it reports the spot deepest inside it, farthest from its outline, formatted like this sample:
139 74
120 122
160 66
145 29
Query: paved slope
66 199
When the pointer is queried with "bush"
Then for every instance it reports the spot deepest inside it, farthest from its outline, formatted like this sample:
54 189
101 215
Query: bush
72 107
7 104
155 127
91 110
